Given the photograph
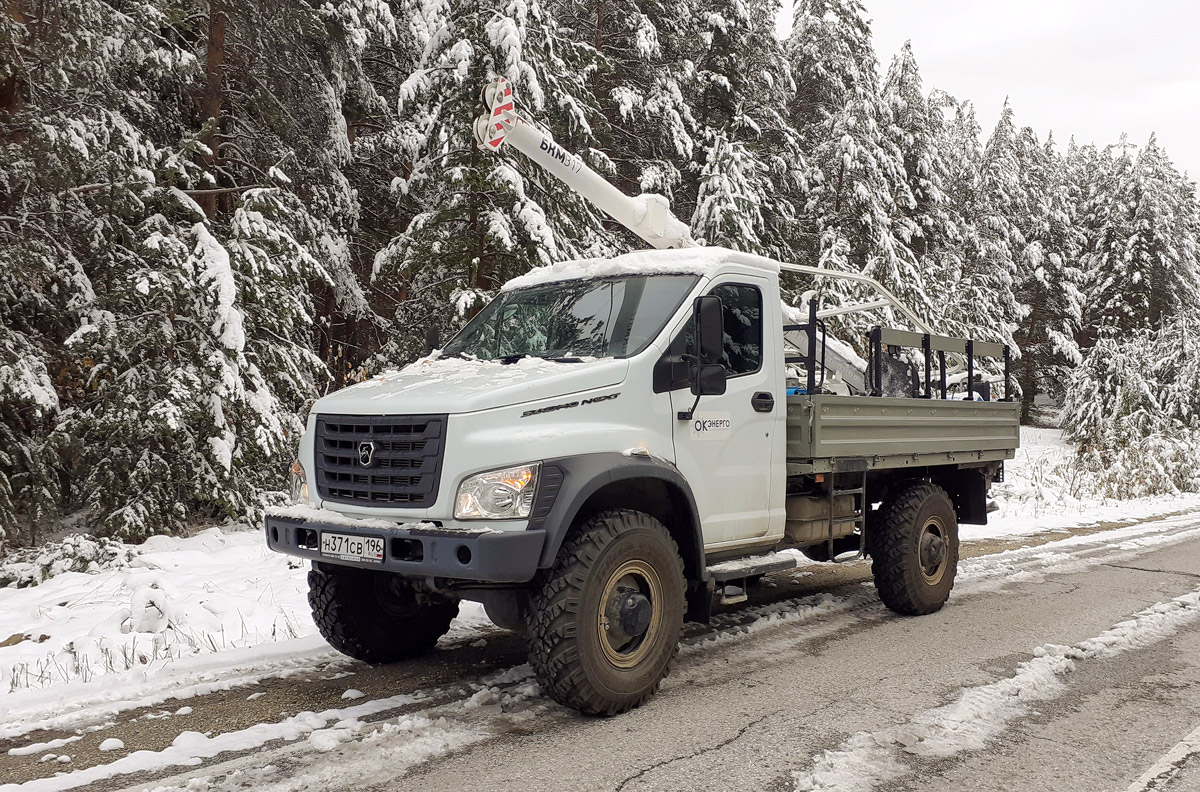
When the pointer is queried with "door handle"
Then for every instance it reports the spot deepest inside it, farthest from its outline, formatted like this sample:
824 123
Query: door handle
762 402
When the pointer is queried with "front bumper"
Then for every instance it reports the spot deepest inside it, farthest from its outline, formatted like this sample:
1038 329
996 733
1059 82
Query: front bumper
419 549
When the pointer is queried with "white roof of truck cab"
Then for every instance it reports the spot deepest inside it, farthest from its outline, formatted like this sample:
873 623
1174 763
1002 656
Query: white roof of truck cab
686 261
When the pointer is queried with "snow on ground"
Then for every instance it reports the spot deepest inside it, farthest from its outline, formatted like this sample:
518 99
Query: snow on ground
506 698
1045 490
186 616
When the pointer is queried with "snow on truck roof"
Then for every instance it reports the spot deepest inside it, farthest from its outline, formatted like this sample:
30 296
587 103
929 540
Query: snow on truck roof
686 261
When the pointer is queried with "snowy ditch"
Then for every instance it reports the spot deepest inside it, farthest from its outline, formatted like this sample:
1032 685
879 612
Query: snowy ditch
460 714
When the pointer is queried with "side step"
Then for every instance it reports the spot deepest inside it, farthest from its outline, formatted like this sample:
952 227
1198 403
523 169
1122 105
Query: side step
742 568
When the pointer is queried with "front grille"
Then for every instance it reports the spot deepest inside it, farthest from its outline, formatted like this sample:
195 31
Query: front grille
404 459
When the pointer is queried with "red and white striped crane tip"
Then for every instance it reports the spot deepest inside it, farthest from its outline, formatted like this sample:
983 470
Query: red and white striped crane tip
498 102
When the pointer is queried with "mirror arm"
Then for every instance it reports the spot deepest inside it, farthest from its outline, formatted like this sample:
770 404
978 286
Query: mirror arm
686 415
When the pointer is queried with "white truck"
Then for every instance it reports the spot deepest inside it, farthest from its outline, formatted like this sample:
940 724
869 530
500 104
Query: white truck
611 444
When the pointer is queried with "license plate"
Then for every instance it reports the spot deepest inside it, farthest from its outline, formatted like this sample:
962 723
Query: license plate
352 548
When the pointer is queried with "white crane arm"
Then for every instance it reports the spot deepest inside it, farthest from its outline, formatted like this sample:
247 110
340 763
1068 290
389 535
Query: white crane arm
647 215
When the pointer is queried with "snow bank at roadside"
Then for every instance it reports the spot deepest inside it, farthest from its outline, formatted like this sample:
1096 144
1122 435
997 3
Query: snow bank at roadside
75 553
1046 490
178 598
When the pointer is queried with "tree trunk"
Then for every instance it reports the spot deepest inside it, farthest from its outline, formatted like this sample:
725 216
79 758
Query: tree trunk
210 105
1029 367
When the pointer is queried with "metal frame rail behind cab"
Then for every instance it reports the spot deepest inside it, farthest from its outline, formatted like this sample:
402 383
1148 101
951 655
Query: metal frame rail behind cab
928 343
881 337
810 360
888 299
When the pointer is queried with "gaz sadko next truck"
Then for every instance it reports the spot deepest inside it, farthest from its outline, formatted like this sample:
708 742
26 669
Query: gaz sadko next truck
610 445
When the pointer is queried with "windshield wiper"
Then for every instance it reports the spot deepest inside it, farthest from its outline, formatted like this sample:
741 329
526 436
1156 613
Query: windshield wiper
507 359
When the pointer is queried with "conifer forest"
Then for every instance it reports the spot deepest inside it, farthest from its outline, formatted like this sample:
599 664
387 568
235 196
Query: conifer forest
212 213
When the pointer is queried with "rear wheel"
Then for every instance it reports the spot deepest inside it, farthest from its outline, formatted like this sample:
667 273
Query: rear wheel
914 552
376 617
606 617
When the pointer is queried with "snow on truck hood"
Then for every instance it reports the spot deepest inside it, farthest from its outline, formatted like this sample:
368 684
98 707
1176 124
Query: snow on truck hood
456 385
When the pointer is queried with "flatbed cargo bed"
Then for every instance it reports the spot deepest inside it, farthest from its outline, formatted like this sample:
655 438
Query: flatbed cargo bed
896 432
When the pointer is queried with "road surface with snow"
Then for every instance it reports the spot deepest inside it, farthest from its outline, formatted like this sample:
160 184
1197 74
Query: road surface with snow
1069 663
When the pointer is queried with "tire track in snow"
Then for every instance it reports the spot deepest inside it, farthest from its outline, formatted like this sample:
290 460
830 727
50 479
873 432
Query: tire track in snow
982 713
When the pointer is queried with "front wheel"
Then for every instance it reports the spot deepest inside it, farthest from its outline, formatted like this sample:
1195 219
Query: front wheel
606 618
914 552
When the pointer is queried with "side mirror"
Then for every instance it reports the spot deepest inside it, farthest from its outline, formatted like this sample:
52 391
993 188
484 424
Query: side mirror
708 315
707 374
708 379
431 340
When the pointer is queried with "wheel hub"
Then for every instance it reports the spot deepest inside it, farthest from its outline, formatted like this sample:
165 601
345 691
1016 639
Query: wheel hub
635 612
933 552
394 596
629 616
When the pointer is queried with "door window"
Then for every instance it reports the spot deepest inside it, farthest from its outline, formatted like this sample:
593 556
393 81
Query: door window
741 352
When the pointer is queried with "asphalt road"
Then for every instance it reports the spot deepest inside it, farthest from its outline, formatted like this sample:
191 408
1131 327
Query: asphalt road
812 685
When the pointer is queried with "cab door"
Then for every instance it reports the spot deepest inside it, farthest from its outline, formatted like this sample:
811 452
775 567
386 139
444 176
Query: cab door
725 449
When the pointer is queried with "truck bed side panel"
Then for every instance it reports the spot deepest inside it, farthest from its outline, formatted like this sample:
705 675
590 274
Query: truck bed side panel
829 426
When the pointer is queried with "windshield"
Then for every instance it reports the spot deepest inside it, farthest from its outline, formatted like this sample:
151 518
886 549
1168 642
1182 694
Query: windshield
602 317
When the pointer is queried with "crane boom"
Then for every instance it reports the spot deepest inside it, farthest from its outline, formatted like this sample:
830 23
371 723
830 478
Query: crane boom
647 215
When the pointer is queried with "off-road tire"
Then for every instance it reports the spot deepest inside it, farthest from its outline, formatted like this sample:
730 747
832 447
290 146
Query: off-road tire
374 616
901 578
565 644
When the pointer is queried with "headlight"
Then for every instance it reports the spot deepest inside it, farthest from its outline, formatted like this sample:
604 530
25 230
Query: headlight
298 483
497 495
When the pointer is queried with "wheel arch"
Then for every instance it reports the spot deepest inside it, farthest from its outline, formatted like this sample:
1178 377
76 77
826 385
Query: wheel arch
577 487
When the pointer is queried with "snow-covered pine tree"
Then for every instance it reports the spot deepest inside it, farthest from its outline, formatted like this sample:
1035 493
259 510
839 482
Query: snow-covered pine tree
478 219
1106 179
80 177
1133 409
1161 255
1140 218
1049 280
295 93
926 220
180 350
748 158
857 171
36 285
639 75
980 301
30 311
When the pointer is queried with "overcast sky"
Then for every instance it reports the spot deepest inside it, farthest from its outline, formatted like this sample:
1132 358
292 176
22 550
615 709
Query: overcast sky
1090 69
